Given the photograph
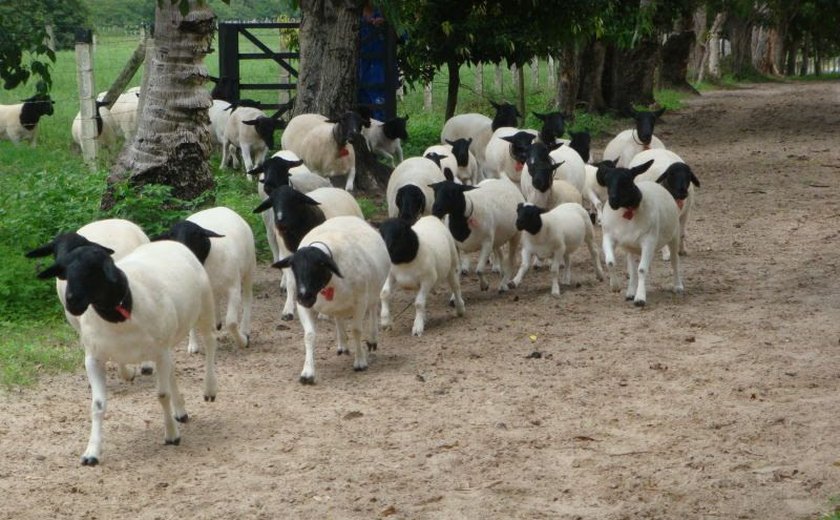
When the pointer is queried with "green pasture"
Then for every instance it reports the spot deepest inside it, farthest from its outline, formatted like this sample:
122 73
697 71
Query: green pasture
48 189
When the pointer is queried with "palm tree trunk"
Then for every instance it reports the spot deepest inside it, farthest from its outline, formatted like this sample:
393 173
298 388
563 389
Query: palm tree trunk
172 143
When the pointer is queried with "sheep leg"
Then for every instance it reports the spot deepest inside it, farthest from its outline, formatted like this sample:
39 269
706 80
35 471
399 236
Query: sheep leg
341 337
567 269
556 263
96 378
225 154
683 220
232 316
360 361
164 379
524 265
351 177
206 329
632 277
420 309
291 287
609 259
193 346
247 159
247 303
486 247
307 321
385 298
178 407
648 250
675 267
455 287
593 253
399 152
268 222
464 262
372 319
507 260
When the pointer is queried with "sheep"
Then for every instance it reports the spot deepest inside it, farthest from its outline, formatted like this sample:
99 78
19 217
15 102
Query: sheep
628 143
124 112
385 138
481 218
230 261
117 236
324 144
421 255
135 310
19 122
219 113
506 153
594 192
538 183
408 193
456 156
480 128
339 271
295 214
581 142
283 168
553 126
640 218
670 170
249 130
555 234
105 134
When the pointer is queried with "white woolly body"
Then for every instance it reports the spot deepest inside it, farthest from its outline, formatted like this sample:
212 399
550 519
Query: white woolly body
310 136
107 138
561 192
124 112
497 157
594 192
572 169
10 127
625 146
464 126
379 143
418 171
464 174
244 137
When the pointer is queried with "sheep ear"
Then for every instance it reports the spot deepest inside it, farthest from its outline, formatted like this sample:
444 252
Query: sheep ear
601 175
295 164
211 234
305 199
557 165
53 271
251 122
466 187
495 105
469 141
541 117
257 169
694 180
642 168
521 204
448 174
659 112
662 177
44 250
553 146
330 263
264 205
450 143
283 263
509 138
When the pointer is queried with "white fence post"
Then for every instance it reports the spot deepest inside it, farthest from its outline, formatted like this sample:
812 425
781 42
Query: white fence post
87 98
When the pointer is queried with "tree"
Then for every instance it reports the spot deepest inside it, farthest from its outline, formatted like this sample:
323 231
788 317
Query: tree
24 50
172 143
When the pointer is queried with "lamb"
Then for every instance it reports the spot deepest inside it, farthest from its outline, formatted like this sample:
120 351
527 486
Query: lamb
507 152
481 218
480 128
135 310
249 130
628 143
421 255
116 236
385 138
124 112
324 144
408 193
594 192
641 218
456 156
295 214
20 122
105 134
555 234
538 183
283 169
230 261
219 113
339 271
670 171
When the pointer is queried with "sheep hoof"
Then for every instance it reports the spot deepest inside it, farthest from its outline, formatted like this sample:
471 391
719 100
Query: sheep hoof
371 345
210 398
247 341
89 461
147 371
182 419
639 303
174 442
307 380
219 326
340 351
629 298
287 317
452 303
359 368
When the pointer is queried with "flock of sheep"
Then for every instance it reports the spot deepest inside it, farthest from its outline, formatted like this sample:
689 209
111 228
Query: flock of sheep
489 187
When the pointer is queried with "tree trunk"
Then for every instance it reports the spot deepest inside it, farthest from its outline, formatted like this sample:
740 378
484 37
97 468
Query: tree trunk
452 88
740 37
806 56
172 142
714 46
697 55
479 79
329 40
568 74
591 89
631 76
520 87
790 63
762 58
674 68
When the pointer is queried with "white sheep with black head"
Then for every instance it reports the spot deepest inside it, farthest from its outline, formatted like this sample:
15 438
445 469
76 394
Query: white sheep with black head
386 138
624 146
480 128
19 122
248 129
456 156
408 193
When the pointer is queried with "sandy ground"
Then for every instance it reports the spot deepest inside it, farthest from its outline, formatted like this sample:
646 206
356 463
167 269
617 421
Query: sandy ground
719 404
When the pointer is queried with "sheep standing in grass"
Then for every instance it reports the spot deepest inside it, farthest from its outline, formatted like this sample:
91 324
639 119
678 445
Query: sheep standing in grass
479 128
628 143
339 270
422 256
19 122
408 193
456 156
641 219
295 214
481 218
124 112
136 310
251 131
385 138
106 136
224 243
555 234
324 144
670 171
117 236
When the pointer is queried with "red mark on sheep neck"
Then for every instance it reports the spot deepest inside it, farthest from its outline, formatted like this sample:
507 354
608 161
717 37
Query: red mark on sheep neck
628 213
125 313
328 293
518 166
343 152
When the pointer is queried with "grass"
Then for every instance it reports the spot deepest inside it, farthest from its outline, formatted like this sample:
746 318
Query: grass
50 190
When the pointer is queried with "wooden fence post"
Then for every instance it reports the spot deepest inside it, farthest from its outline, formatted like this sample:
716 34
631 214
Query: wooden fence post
427 96
87 101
